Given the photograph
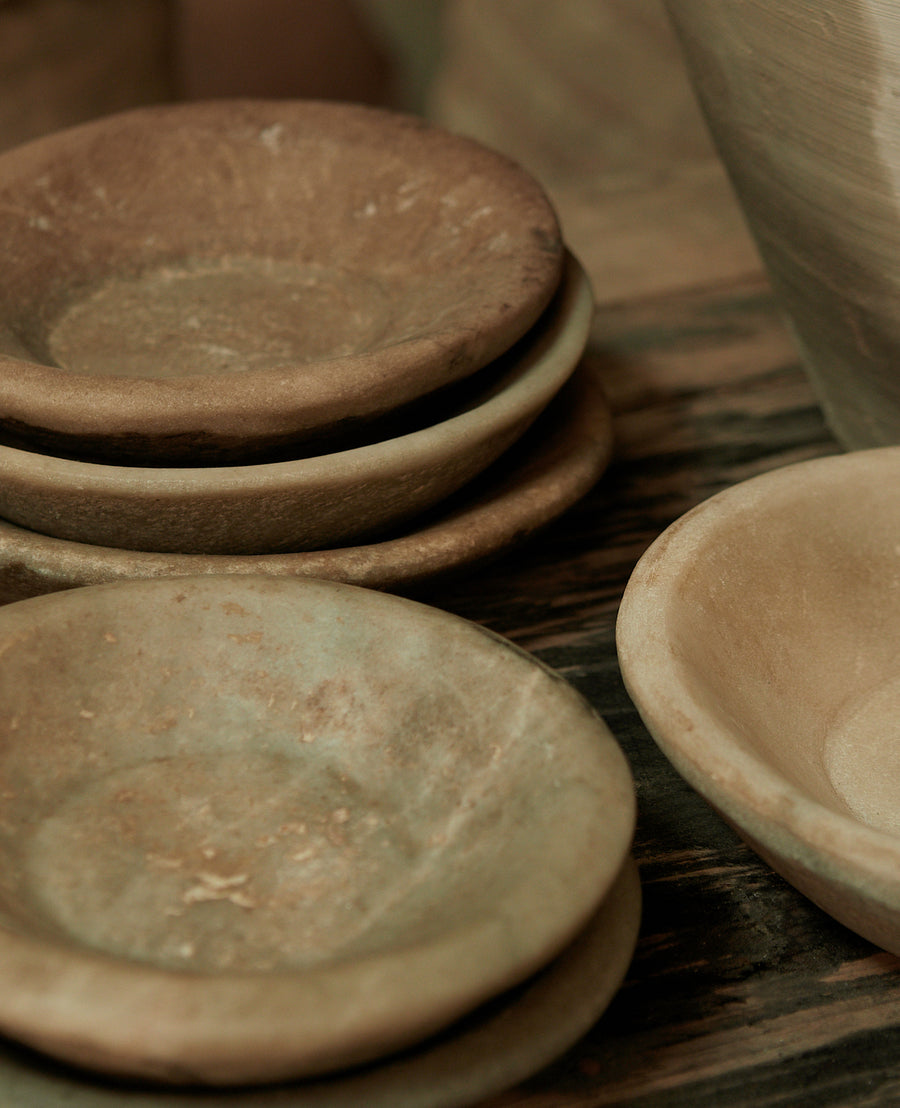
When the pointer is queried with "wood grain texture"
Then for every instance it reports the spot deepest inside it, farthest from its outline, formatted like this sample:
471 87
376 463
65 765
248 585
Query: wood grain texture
741 991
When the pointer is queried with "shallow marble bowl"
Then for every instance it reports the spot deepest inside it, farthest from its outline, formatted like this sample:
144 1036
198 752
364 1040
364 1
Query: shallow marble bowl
308 503
495 1046
759 638
203 281
254 828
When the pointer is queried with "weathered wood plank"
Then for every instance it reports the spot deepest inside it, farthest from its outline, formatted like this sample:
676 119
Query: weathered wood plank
741 992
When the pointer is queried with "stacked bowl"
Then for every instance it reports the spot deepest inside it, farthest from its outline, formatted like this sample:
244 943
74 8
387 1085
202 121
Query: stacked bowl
245 329
258 830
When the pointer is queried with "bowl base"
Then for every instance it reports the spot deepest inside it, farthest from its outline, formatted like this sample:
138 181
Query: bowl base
862 759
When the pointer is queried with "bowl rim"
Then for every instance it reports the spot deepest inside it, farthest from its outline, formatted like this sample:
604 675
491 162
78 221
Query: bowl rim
544 360
488 1051
566 461
223 1027
262 402
325 500
747 790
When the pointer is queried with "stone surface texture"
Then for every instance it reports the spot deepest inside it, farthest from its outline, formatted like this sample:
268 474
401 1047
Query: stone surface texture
257 828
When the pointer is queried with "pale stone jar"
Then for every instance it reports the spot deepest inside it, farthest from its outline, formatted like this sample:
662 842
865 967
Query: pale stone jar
803 101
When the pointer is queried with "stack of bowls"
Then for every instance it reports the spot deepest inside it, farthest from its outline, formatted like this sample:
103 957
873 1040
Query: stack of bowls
259 830
248 328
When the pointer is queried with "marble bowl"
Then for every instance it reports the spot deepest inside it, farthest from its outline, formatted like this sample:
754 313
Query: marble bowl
759 638
497 1045
309 503
254 828
206 281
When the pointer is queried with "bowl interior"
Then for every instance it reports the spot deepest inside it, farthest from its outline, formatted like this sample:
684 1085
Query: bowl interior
228 777
215 283
218 238
782 611
290 804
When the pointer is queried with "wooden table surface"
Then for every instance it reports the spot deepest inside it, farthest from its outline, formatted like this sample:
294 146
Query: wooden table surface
741 991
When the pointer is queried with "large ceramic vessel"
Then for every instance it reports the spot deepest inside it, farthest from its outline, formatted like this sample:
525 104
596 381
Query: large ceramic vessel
803 100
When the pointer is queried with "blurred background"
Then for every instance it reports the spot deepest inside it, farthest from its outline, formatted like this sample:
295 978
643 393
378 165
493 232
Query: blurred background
590 95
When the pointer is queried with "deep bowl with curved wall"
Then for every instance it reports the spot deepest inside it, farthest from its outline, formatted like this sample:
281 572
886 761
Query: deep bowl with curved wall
801 98
759 638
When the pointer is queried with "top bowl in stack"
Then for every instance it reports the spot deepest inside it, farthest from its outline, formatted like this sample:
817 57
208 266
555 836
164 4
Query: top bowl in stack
206 283
308 502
